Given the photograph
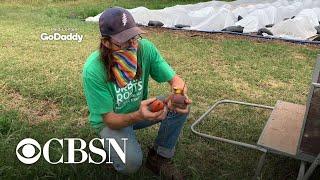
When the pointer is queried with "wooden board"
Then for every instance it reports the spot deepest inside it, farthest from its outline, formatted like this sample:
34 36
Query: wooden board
310 141
283 129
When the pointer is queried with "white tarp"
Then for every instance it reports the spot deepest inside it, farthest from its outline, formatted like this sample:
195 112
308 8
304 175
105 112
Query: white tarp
256 14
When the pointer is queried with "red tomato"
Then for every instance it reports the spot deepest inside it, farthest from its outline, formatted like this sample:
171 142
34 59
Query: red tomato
156 106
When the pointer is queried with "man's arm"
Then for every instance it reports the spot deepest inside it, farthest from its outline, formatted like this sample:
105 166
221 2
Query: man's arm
118 121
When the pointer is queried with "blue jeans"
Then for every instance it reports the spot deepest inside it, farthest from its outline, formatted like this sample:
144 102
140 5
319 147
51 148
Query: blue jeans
164 144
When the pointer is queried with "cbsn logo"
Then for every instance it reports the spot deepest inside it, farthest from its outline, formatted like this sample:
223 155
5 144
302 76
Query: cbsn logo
28 150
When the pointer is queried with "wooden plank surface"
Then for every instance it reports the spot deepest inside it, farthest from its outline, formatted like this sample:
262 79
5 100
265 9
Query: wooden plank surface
310 143
283 128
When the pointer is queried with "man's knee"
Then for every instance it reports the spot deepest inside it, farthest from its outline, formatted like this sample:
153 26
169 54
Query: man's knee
133 162
177 117
133 159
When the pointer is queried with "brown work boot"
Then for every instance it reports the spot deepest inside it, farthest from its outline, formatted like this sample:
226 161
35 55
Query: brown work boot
162 166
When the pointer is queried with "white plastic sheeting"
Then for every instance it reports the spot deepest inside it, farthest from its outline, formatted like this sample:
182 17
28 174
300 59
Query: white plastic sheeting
216 15
300 27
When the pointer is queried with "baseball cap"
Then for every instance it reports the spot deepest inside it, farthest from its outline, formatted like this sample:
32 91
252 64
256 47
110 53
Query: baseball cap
118 23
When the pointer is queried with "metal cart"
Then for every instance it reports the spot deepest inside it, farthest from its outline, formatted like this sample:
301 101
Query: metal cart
292 130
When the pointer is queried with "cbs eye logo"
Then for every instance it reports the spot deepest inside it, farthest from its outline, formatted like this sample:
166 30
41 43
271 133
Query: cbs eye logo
28 151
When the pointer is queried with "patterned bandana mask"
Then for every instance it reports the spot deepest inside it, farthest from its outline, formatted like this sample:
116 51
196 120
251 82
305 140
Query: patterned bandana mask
125 67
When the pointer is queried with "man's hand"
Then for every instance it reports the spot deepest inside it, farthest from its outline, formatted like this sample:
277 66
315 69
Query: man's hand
146 114
179 110
177 82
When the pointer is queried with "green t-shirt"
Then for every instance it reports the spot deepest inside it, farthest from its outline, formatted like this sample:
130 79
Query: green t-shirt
104 96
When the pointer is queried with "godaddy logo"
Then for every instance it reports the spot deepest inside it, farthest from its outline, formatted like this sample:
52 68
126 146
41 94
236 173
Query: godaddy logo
61 37
29 156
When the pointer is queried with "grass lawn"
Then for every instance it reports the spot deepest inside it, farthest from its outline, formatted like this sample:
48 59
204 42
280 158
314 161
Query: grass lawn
41 90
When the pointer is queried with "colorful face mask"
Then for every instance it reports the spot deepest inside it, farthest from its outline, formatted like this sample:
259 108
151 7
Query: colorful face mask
126 65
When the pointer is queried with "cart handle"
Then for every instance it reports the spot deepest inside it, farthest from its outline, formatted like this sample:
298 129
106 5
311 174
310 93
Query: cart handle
225 101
